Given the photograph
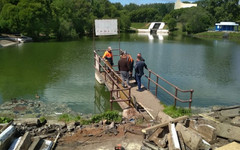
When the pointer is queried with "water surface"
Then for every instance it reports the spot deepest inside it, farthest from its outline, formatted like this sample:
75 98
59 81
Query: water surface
63 71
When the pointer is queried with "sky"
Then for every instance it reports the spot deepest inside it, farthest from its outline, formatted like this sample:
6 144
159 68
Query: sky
124 2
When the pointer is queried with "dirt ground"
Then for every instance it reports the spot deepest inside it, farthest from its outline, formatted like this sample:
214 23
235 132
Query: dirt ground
94 138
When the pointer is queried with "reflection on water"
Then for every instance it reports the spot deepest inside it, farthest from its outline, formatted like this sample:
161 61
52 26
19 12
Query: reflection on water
159 36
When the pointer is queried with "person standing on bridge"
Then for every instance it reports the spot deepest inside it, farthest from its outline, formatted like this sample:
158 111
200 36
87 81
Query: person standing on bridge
139 67
108 56
131 62
123 66
139 55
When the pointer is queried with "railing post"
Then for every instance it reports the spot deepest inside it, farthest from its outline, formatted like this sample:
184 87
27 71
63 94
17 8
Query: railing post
156 87
149 76
175 100
111 100
190 101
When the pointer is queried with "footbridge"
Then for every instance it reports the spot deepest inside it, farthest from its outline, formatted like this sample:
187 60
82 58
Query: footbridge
145 102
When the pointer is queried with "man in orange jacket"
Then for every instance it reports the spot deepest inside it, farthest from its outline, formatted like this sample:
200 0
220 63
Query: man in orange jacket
108 55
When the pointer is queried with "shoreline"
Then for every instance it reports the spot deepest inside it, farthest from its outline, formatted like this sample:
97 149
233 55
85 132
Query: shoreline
6 43
218 35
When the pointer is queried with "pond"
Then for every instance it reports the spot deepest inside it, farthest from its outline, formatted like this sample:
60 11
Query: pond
62 72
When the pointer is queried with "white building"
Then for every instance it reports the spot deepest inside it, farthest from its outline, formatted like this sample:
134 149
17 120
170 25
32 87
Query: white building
179 4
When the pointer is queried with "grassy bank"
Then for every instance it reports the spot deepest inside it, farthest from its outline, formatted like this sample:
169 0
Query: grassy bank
138 25
218 35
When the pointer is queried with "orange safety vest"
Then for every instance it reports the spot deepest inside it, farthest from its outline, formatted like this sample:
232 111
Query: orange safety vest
107 55
129 58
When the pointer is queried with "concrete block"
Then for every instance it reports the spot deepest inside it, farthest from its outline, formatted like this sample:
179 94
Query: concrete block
230 146
228 131
191 139
230 112
34 144
25 142
206 131
27 121
236 121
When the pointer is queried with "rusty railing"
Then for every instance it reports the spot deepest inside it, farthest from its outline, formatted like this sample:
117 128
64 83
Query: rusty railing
111 76
177 89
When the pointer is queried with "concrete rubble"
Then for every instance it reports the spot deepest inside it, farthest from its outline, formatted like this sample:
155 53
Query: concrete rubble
218 129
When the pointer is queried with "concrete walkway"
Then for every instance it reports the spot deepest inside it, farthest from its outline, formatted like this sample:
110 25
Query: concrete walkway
150 103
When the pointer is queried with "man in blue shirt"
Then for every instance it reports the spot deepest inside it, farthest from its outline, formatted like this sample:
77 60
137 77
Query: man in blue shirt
139 67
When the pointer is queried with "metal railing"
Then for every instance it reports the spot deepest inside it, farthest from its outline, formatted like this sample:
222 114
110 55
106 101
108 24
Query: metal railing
111 76
177 89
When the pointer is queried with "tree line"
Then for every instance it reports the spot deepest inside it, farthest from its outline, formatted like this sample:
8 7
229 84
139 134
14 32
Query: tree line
64 19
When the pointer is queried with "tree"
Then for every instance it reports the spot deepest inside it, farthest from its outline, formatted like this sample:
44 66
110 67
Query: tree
196 20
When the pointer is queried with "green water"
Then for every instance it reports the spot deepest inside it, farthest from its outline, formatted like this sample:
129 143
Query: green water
63 71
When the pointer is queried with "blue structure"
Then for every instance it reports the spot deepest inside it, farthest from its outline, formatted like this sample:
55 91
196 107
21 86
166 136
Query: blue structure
226 26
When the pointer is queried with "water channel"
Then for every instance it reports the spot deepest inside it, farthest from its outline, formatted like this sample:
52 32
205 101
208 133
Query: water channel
62 72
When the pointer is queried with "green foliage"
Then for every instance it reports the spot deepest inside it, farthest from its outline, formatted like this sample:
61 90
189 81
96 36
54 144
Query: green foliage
42 119
196 20
224 10
176 112
68 118
109 116
5 119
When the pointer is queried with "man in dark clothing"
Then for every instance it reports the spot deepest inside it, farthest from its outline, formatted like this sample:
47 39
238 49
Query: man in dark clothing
124 68
139 55
139 67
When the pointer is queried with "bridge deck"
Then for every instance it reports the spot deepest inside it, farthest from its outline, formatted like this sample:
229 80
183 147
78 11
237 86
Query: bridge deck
150 103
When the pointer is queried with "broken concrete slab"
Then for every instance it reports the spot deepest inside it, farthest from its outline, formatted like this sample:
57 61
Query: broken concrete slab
230 112
56 123
146 130
173 137
230 146
27 121
154 136
34 143
206 131
159 137
228 131
191 139
236 121
25 142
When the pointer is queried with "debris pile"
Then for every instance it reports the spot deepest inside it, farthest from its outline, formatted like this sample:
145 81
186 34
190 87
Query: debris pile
218 130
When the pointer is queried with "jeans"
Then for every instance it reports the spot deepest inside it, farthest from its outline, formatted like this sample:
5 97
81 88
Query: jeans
138 79
124 76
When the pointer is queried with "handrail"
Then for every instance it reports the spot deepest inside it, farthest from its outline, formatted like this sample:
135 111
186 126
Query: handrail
168 92
98 60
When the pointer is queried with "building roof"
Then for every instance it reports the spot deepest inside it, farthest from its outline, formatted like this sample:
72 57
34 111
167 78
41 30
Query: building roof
227 24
